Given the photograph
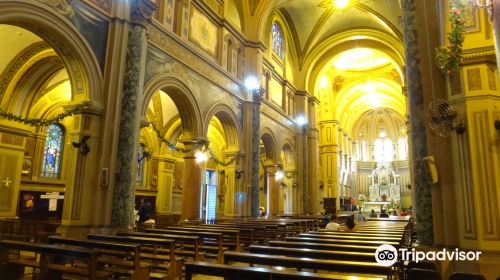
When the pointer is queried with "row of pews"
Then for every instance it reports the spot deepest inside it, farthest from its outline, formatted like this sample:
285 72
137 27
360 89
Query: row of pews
303 251
257 249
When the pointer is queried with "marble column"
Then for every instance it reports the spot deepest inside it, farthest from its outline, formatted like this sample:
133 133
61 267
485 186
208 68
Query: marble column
422 200
255 153
141 12
192 182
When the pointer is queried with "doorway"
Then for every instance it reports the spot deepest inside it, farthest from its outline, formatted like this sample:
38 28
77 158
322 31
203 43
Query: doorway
211 195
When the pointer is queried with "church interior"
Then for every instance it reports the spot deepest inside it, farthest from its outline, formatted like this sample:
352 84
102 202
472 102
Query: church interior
249 139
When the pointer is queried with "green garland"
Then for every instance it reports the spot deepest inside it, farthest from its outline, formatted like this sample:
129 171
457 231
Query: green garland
448 58
205 149
43 122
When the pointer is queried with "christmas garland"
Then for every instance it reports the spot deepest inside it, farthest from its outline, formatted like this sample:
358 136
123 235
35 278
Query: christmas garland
448 58
43 122
206 149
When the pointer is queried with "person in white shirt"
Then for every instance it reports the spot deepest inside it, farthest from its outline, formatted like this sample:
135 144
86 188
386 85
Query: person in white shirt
333 225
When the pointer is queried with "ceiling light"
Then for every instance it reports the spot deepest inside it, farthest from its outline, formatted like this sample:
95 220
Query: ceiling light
323 83
251 83
200 157
382 134
340 4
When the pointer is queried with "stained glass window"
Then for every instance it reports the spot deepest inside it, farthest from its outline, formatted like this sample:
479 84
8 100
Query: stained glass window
51 165
278 40
140 163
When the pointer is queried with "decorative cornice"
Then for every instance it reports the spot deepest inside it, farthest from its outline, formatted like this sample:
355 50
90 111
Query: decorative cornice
63 7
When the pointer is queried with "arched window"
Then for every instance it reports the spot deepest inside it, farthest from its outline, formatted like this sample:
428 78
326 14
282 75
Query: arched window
52 153
140 164
278 40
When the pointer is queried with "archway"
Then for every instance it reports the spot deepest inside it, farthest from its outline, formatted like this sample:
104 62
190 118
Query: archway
174 137
287 186
268 174
46 68
224 194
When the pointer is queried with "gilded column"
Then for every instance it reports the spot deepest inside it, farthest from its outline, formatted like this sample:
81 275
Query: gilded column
141 13
422 200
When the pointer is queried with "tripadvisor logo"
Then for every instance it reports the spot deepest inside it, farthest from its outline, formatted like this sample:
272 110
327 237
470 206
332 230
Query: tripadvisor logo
387 255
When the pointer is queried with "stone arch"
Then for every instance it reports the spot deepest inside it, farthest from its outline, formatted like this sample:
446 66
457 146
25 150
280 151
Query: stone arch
76 54
270 144
229 122
288 160
182 96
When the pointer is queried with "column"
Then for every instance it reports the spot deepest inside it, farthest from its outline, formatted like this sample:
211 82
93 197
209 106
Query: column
234 192
302 158
192 181
255 151
329 158
82 185
272 190
141 12
422 200
312 147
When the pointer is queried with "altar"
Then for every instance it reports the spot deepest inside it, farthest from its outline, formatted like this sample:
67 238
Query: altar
368 206
384 189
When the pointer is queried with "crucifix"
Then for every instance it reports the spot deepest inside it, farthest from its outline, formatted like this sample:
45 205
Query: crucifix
6 182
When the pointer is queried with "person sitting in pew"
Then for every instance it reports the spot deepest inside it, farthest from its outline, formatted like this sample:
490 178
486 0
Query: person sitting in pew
333 225
350 225
383 214
403 213
373 215
361 218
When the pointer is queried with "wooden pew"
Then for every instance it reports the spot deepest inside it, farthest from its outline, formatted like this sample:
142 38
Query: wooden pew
355 233
123 258
314 254
313 264
172 265
247 234
211 241
13 262
52 261
347 235
231 236
343 241
189 245
325 246
260 273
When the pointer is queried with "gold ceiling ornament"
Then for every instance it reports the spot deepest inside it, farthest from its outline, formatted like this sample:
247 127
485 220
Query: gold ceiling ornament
338 5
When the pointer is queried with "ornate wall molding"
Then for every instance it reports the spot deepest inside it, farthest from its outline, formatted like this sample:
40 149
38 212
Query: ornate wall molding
63 7
104 5
208 69
18 62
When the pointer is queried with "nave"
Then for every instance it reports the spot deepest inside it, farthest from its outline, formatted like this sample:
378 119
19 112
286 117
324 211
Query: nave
140 136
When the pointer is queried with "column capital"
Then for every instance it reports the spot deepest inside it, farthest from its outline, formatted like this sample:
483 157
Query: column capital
91 109
314 100
141 11
257 94
272 168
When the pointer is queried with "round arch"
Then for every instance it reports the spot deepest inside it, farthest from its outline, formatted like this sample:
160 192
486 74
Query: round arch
229 122
183 98
316 60
76 54
270 144
288 159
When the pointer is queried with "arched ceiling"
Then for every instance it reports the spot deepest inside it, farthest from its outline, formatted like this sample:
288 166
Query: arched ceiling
314 21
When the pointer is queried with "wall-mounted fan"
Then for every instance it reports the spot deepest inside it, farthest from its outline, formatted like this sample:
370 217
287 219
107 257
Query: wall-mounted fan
443 118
